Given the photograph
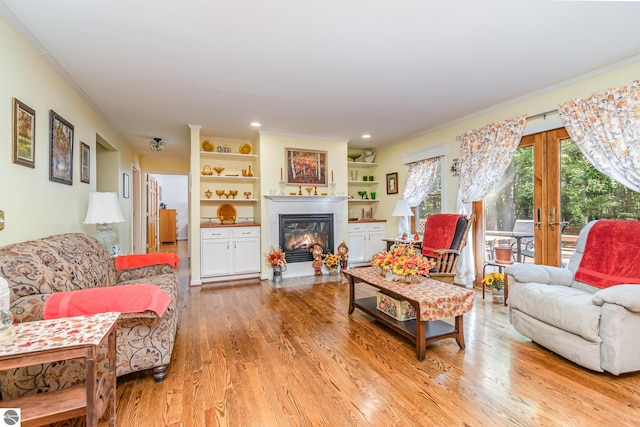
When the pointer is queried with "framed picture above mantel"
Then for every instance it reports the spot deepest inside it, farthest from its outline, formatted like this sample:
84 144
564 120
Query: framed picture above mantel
306 167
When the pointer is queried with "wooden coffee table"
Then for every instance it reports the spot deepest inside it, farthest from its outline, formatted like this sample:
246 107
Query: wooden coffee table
432 300
49 341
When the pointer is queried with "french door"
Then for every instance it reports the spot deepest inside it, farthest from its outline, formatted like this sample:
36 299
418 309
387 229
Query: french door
527 196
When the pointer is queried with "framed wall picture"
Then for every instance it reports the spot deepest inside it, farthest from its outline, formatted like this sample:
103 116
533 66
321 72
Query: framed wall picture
85 163
125 185
392 183
60 150
306 167
24 134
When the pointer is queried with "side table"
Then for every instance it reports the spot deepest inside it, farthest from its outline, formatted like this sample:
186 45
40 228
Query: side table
52 340
500 266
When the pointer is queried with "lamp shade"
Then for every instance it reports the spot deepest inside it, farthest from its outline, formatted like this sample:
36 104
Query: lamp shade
103 209
402 209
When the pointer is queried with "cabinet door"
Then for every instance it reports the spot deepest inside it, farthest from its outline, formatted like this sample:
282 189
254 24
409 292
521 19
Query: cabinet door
357 246
215 257
375 242
246 255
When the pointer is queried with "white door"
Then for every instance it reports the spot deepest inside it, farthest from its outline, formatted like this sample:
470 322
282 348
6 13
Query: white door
374 240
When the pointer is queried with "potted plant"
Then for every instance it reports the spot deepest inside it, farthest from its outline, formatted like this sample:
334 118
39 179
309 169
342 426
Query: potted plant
495 282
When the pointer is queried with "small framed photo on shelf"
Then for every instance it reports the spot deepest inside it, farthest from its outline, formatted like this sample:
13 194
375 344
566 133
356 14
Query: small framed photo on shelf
85 163
306 167
60 150
24 134
392 183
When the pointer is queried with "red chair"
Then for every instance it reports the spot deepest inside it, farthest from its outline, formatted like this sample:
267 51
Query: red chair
444 237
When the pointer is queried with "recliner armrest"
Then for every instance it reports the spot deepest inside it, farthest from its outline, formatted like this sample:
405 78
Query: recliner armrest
627 296
544 274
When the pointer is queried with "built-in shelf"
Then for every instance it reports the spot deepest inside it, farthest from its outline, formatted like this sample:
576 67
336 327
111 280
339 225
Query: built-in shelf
226 156
364 201
223 178
305 198
362 165
363 182
238 200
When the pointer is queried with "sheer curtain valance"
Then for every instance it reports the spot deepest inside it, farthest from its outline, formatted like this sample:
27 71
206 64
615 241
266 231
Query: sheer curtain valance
485 154
606 129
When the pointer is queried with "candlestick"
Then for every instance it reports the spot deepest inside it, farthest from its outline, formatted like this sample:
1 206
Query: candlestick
331 176
280 174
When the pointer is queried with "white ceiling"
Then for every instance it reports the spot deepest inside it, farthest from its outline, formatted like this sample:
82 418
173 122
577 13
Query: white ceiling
330 68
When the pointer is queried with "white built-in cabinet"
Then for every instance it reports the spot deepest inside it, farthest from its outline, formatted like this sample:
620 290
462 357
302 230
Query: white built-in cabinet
365 239
229 253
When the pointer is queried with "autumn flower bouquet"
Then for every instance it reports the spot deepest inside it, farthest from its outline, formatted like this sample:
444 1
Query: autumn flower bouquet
402 262
276 258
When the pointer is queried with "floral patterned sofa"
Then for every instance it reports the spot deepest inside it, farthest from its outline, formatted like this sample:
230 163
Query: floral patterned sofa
74 261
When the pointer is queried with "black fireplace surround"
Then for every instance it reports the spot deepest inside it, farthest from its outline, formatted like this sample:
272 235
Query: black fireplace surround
300 232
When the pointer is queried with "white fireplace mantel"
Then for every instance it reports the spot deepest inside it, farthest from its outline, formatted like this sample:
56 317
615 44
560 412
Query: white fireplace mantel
277 205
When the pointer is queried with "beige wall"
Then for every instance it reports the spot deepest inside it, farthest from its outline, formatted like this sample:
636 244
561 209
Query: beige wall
390 156
34 206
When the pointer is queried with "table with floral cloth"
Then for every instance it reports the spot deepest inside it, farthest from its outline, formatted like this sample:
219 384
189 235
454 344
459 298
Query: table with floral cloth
432 300
60 339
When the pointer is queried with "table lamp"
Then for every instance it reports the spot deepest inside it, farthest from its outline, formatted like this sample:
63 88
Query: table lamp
403 211
104 210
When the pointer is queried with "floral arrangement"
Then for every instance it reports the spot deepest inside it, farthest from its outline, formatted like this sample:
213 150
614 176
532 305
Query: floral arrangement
494 281
402 260
331 260
276 258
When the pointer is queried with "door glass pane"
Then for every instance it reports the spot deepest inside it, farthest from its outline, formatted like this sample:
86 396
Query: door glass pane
509 209
587 194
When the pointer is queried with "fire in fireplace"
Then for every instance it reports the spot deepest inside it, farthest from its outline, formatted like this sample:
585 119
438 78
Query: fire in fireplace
299 232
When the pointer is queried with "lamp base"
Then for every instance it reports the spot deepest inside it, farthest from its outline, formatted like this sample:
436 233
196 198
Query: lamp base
105 235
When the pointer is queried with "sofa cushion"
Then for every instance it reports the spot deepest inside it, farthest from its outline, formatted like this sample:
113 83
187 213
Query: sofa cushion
564 307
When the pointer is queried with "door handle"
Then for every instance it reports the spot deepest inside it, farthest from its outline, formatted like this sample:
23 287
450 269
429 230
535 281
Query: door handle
539 218
552 219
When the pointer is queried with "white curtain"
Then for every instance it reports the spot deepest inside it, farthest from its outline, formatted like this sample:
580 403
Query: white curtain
485 154
606 129
421 179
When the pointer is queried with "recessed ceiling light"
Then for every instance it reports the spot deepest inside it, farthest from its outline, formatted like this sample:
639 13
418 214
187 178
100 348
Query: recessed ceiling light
366 136
256 124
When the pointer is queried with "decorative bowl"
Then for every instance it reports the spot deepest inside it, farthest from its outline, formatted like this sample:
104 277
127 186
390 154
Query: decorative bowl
362 194
218 169
293 193
220 193
233 193
354 156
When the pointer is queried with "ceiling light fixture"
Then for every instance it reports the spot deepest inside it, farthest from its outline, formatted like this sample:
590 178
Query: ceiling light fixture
157 145
366 136
256 124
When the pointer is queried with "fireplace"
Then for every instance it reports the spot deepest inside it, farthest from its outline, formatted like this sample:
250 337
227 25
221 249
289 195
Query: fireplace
300 232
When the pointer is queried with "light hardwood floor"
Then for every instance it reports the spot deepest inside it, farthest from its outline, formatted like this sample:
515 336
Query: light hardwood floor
250 355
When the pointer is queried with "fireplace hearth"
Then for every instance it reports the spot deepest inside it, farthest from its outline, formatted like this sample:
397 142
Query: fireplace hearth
300 232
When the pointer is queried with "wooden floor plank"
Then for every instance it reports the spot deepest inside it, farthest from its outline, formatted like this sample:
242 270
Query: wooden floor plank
248 354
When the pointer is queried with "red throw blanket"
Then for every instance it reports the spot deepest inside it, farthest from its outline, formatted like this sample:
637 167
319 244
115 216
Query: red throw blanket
144 260
121 299
438 233
612 254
